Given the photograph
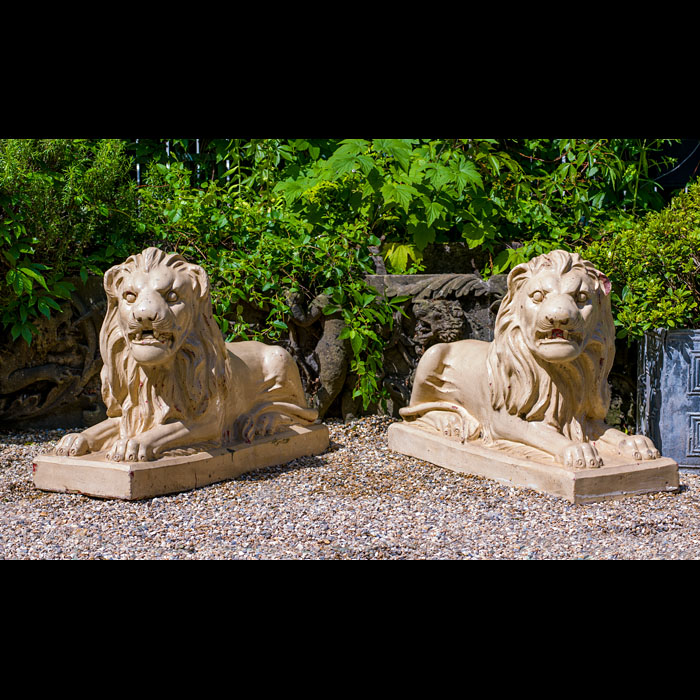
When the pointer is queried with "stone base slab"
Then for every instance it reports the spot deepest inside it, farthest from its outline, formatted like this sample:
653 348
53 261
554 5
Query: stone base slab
92 475
617 479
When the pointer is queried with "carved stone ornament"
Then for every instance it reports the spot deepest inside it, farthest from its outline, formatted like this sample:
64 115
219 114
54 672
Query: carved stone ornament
54 382
175 390
529 407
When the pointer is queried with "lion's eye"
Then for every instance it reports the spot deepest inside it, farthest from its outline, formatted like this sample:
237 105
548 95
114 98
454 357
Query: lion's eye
537 296
130 297
582 297
171 295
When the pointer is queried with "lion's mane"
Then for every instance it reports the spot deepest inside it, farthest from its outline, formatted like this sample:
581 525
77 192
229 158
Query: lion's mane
566 395
147 397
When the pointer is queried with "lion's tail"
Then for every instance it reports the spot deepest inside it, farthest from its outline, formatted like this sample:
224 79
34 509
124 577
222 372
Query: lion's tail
307 415
248 424
470 427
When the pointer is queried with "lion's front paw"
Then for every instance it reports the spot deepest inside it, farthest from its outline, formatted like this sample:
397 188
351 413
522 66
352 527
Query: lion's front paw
130 450
581 456
73 445
638 447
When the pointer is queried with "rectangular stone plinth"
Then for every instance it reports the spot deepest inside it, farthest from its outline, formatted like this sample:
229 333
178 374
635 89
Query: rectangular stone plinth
615 480
92 475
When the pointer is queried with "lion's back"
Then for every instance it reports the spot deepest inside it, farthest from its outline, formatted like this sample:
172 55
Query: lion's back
259 357
457 351
451 371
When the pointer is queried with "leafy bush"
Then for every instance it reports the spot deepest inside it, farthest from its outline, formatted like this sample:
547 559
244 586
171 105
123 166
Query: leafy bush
65 208
512 198
654 264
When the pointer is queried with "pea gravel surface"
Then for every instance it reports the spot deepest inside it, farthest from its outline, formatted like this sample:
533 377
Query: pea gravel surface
356 501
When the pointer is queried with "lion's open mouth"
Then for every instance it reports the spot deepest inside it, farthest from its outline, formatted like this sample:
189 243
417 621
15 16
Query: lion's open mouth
556 334
151 337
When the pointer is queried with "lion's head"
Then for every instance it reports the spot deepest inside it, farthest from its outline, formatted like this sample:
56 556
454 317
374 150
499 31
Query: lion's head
554 343
164 356
438 320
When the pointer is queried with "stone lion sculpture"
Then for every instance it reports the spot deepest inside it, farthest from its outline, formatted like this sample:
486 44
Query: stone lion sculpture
169 380
542 382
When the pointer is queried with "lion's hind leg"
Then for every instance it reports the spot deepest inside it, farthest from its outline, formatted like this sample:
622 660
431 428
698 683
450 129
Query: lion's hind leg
437 399
274 397
449 419
270 417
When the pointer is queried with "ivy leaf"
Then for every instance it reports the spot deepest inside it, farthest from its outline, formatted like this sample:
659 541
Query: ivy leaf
421 233
467 174
50 302
291 190
356 341
502 261
11 257
27 333
44 307
397 256
433 211
439 175
351 147
401 194
366 163
473 235
13 279
29 272
63 289
397 149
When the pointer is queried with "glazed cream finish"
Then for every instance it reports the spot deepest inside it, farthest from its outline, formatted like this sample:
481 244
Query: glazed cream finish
543 381
169 380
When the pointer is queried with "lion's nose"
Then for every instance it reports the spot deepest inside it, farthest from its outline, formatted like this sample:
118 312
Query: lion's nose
558 319
145 311
558 314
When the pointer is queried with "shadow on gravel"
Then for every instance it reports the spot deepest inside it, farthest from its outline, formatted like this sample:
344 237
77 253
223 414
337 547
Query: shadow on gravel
301 463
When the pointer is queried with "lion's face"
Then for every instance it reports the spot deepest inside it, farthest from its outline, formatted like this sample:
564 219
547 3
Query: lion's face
155 312
557 314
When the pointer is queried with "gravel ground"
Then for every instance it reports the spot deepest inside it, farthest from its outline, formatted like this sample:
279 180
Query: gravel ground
356 501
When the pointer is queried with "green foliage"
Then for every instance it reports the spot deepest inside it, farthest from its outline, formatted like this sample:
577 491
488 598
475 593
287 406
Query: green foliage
262 255
654 264
272 217
65 208
509 198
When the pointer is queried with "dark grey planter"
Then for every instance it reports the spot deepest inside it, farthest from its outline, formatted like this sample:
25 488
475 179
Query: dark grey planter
668 393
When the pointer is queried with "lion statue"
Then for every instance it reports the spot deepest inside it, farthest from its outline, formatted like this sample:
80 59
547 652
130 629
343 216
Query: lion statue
169 381
542 382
